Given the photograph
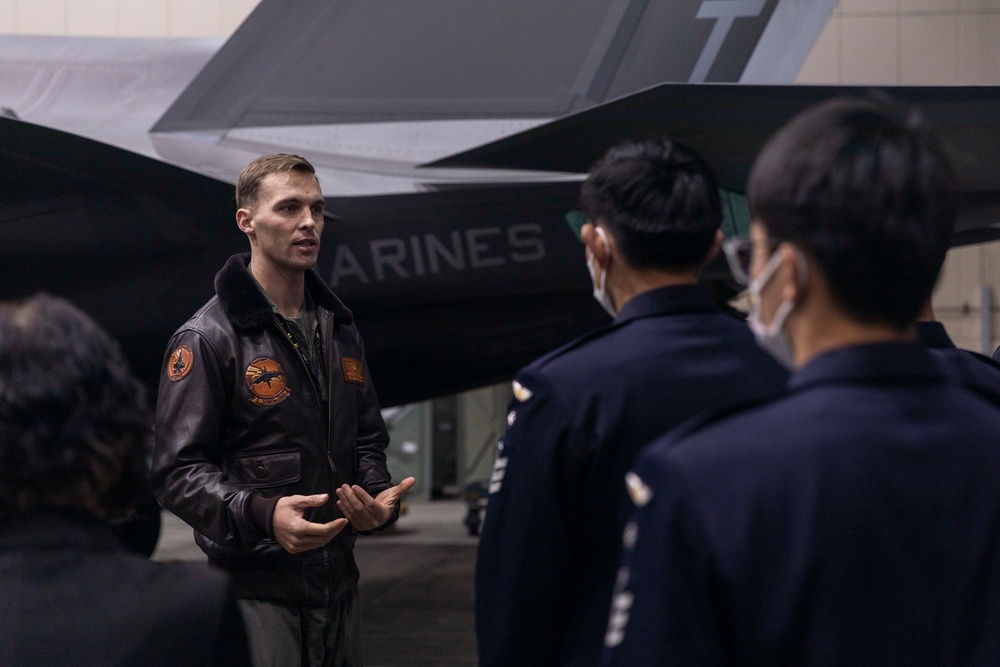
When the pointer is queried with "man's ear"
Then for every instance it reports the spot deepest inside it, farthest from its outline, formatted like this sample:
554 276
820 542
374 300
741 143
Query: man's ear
244 220
794 270
713 252
595 244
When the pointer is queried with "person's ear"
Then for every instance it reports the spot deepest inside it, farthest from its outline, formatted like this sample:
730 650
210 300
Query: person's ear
713 252
793 269
596 244
244 220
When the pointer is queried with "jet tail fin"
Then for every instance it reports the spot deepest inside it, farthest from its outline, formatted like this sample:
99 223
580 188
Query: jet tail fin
342 61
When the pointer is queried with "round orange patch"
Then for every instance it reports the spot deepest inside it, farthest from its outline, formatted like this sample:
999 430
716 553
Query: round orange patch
180 363
266 381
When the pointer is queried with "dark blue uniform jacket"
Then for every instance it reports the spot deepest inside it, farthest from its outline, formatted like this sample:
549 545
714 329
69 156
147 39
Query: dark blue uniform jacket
976 371
933 335
550 540
854 521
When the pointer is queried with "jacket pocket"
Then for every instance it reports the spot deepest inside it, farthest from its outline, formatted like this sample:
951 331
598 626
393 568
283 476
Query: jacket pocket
261 471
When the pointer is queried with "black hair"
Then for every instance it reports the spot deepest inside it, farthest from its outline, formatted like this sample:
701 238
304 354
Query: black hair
865 189
659 200
74 423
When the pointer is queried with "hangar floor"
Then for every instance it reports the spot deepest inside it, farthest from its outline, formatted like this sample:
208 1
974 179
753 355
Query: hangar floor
416 586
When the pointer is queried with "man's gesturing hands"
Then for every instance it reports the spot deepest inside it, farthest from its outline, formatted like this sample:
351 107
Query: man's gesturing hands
296 534
365 512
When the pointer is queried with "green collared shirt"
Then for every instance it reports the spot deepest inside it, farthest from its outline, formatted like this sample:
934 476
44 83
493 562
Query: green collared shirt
303 332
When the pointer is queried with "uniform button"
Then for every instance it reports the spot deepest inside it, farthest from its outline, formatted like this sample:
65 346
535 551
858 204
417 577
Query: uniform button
259 469
630 535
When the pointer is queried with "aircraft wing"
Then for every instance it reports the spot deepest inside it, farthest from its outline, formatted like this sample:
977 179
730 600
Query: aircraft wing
451 289
729 124
457 277
369 90
133 241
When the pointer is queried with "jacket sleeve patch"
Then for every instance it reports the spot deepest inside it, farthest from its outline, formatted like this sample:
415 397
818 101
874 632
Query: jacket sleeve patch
354 371
180 363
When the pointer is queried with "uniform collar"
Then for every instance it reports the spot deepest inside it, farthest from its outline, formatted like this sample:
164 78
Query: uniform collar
247 306
667 300
933 334
677 299
57 528
870 364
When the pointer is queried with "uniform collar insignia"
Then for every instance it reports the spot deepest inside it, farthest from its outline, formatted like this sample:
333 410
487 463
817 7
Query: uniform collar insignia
637 490
521 393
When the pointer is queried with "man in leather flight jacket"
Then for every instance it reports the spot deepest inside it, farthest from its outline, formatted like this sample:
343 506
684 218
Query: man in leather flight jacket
265 409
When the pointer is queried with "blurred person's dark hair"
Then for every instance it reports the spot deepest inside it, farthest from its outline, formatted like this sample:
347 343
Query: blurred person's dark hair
866 191
659 200
74 424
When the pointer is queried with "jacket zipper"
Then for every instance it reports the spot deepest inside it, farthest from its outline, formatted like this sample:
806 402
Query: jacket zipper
329 431
328 350
312 383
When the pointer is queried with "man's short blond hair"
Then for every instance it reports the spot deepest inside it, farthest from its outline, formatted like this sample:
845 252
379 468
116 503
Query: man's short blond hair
248 184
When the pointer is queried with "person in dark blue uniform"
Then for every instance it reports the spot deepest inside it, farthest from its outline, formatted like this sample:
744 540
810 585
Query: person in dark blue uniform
855 520
549 545
931 333
975 370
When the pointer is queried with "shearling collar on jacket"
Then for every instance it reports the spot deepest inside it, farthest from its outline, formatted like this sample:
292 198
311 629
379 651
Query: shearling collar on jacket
247 307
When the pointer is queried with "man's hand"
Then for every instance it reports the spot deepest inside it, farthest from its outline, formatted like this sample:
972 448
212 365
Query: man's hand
365 512
296 534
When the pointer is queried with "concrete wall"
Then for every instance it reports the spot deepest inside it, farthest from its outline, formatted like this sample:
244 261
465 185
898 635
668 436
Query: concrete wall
924 42
937 42
124 18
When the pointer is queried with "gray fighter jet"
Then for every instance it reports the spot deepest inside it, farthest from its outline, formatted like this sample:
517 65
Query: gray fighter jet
119 157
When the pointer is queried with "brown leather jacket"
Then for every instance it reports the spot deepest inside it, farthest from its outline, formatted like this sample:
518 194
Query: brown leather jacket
240 423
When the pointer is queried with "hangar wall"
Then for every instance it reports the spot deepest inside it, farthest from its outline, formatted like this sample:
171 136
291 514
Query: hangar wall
124 18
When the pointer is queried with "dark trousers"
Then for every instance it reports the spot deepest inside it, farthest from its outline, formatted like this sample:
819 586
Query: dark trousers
287 635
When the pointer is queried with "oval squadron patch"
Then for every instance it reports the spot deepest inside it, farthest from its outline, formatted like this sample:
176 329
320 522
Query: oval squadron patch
266 381
181 361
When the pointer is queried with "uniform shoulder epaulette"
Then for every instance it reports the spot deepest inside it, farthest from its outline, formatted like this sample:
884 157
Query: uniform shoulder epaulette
717 413
976 372
548 357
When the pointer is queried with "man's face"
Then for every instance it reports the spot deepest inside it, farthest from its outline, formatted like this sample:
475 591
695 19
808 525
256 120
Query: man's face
286 223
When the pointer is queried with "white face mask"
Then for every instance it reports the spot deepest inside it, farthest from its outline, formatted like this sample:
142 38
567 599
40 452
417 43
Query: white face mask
771 337
600 294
